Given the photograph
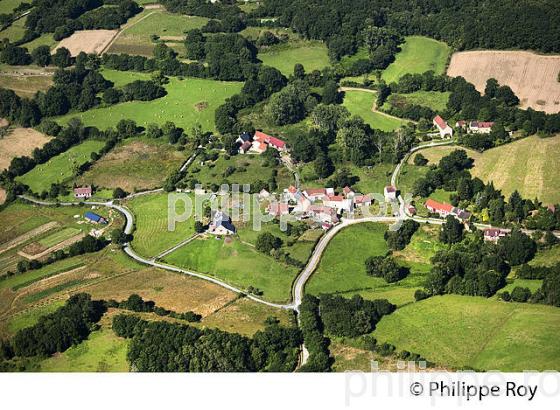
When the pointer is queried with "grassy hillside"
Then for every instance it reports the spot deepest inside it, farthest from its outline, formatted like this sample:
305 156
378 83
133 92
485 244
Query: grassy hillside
418 55
485 334
313 55
530 165
188 102
361 102
60 168
437 101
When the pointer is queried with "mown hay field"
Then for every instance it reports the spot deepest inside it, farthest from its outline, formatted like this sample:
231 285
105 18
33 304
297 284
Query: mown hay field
20 142
88 41
532 77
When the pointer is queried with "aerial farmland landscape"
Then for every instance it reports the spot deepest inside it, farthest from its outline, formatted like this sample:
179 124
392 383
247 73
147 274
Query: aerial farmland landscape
279 186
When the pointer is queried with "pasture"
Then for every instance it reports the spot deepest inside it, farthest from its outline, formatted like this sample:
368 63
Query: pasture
435 100
418 54
238 264
135 37
474 332
152 236
88 41
25 81
135 164
532 77
342 266
362 103
45 39
529 165
20 142
61 167
15 31
311 54
7 6
181 105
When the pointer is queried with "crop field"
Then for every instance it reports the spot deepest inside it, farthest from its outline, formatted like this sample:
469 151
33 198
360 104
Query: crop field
418 55
342 267
484 334
20 142
88 41
361 102
435 100
135 164
152 236
60 168
135 38
58 237
532 77
181 105
238 264
311 54
25 81
529 165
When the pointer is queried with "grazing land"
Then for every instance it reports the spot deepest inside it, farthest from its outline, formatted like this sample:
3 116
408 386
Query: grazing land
311 54
135 37
25 81
342 267
529 165
418 55
20 142
152 236
180 105
437 101
43 40
532 77
15 31
238 264
505 336
361 103
135 164
88 41
60 168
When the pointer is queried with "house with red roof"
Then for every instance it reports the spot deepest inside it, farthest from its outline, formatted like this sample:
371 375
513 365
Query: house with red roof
439 208
338 202
278 209
323 214
475 127
261 138
83 192
443 128
315 194
362 200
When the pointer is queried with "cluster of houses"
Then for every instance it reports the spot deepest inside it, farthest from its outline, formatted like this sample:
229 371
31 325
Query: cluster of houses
322 205
258 143
470 127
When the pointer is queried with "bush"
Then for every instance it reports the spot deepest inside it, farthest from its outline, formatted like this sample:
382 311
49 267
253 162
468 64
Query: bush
519 294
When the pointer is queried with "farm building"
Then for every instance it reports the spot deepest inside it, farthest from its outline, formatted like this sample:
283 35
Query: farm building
476 127
338 202
83 192
221 224
443 128
438 208
362 200
262 141
96 219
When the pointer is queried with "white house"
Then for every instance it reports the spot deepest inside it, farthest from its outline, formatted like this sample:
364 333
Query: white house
322 214
362 200
390 193
338 202
443 128
314 194
221 224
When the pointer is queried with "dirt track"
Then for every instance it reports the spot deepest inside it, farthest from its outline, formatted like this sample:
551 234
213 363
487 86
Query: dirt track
89 41
533 77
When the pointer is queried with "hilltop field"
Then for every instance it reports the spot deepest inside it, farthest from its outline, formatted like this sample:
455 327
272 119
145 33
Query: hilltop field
532 77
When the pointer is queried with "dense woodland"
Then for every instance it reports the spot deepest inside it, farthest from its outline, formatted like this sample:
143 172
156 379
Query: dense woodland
466 24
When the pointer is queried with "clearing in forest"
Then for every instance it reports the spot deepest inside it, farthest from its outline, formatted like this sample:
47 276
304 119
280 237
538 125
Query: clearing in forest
20 142
88 41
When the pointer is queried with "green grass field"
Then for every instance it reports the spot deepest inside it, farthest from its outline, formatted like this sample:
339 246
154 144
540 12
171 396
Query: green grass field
180 105
60 168
43 40
152 236
342 268
360 103
135 164
238 264
485 334
435 100
59 236
136 37
418 55
14 32
103 351
529 165
312 54
7 6
30 317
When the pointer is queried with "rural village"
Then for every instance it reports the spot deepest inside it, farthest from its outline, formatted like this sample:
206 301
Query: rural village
402 158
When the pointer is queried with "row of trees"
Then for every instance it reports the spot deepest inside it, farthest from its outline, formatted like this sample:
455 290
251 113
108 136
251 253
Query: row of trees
171 347
316 343
135 303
